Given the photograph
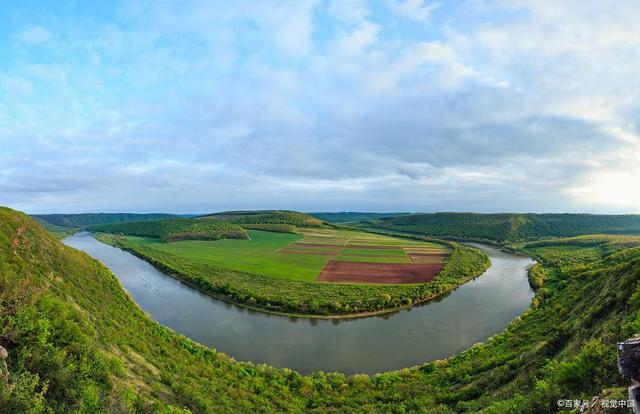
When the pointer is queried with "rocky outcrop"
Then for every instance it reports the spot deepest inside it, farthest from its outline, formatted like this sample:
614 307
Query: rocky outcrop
4 371
629 367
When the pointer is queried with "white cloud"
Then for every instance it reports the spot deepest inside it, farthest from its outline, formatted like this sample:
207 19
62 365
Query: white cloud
34 34
296 105
415 9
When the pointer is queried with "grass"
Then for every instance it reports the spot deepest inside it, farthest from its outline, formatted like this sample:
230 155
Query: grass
265 252
259 255
58 231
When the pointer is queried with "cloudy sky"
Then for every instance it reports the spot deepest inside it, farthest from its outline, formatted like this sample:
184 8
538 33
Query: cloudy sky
383 105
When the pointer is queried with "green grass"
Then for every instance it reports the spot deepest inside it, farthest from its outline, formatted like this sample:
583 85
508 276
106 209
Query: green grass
258 255
58 231
261 253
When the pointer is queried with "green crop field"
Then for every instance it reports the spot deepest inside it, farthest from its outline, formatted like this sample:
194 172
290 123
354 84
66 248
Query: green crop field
268 253
257 255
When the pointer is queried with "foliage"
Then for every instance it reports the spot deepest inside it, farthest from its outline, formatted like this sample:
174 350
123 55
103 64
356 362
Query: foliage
508 226
176 229
352 217
58 231
536 276
274 227
88 219
77 343
293 218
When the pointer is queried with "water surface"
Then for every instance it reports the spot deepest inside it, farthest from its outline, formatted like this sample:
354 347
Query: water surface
470 314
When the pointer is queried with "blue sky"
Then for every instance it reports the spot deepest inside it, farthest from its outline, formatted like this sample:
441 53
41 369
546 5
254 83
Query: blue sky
386 105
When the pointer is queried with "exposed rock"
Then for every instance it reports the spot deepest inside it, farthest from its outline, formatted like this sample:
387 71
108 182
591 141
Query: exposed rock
629 358
4 371
629 367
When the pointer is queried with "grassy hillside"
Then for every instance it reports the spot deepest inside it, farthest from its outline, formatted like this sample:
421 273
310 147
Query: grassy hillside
77 343
292 218
352 216
88 219
58 231
502 227
176 229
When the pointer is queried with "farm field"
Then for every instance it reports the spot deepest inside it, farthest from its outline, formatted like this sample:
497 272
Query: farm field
321 254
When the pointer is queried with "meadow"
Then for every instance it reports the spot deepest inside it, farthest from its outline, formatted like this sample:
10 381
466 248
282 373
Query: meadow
295 256
258 254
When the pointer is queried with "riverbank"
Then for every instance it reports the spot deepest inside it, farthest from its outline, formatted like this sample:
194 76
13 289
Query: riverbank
430 331
309 299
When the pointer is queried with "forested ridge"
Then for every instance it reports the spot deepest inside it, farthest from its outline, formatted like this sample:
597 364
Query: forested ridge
88 219
77 343
267 217
507 226
169 230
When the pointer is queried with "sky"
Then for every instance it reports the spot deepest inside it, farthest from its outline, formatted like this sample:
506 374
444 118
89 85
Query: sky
384 105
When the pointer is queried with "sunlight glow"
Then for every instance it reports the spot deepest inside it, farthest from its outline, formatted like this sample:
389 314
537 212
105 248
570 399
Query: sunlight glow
619 188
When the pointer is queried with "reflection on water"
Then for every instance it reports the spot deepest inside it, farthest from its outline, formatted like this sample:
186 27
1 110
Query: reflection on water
470 314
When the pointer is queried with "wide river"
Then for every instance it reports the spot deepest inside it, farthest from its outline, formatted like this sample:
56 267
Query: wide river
438 329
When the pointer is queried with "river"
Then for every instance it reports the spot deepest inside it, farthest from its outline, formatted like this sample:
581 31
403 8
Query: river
435 330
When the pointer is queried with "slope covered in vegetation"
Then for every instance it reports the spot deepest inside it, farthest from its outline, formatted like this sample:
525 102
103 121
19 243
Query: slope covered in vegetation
76 342
88 219
263 217
353 216
176 229
508 227
58 231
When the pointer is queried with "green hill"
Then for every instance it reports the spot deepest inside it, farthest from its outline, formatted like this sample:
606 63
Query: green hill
261 217
88 219
501 227
169 230
351 216
77 343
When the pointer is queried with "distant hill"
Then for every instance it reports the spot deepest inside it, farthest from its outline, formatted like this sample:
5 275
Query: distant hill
262 217
508 226
175 229
88 219
353 216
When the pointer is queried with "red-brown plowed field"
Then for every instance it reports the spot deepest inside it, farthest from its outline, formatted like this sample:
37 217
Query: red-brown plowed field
371 247
443 255
310 246
386 273
314 252
428 258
